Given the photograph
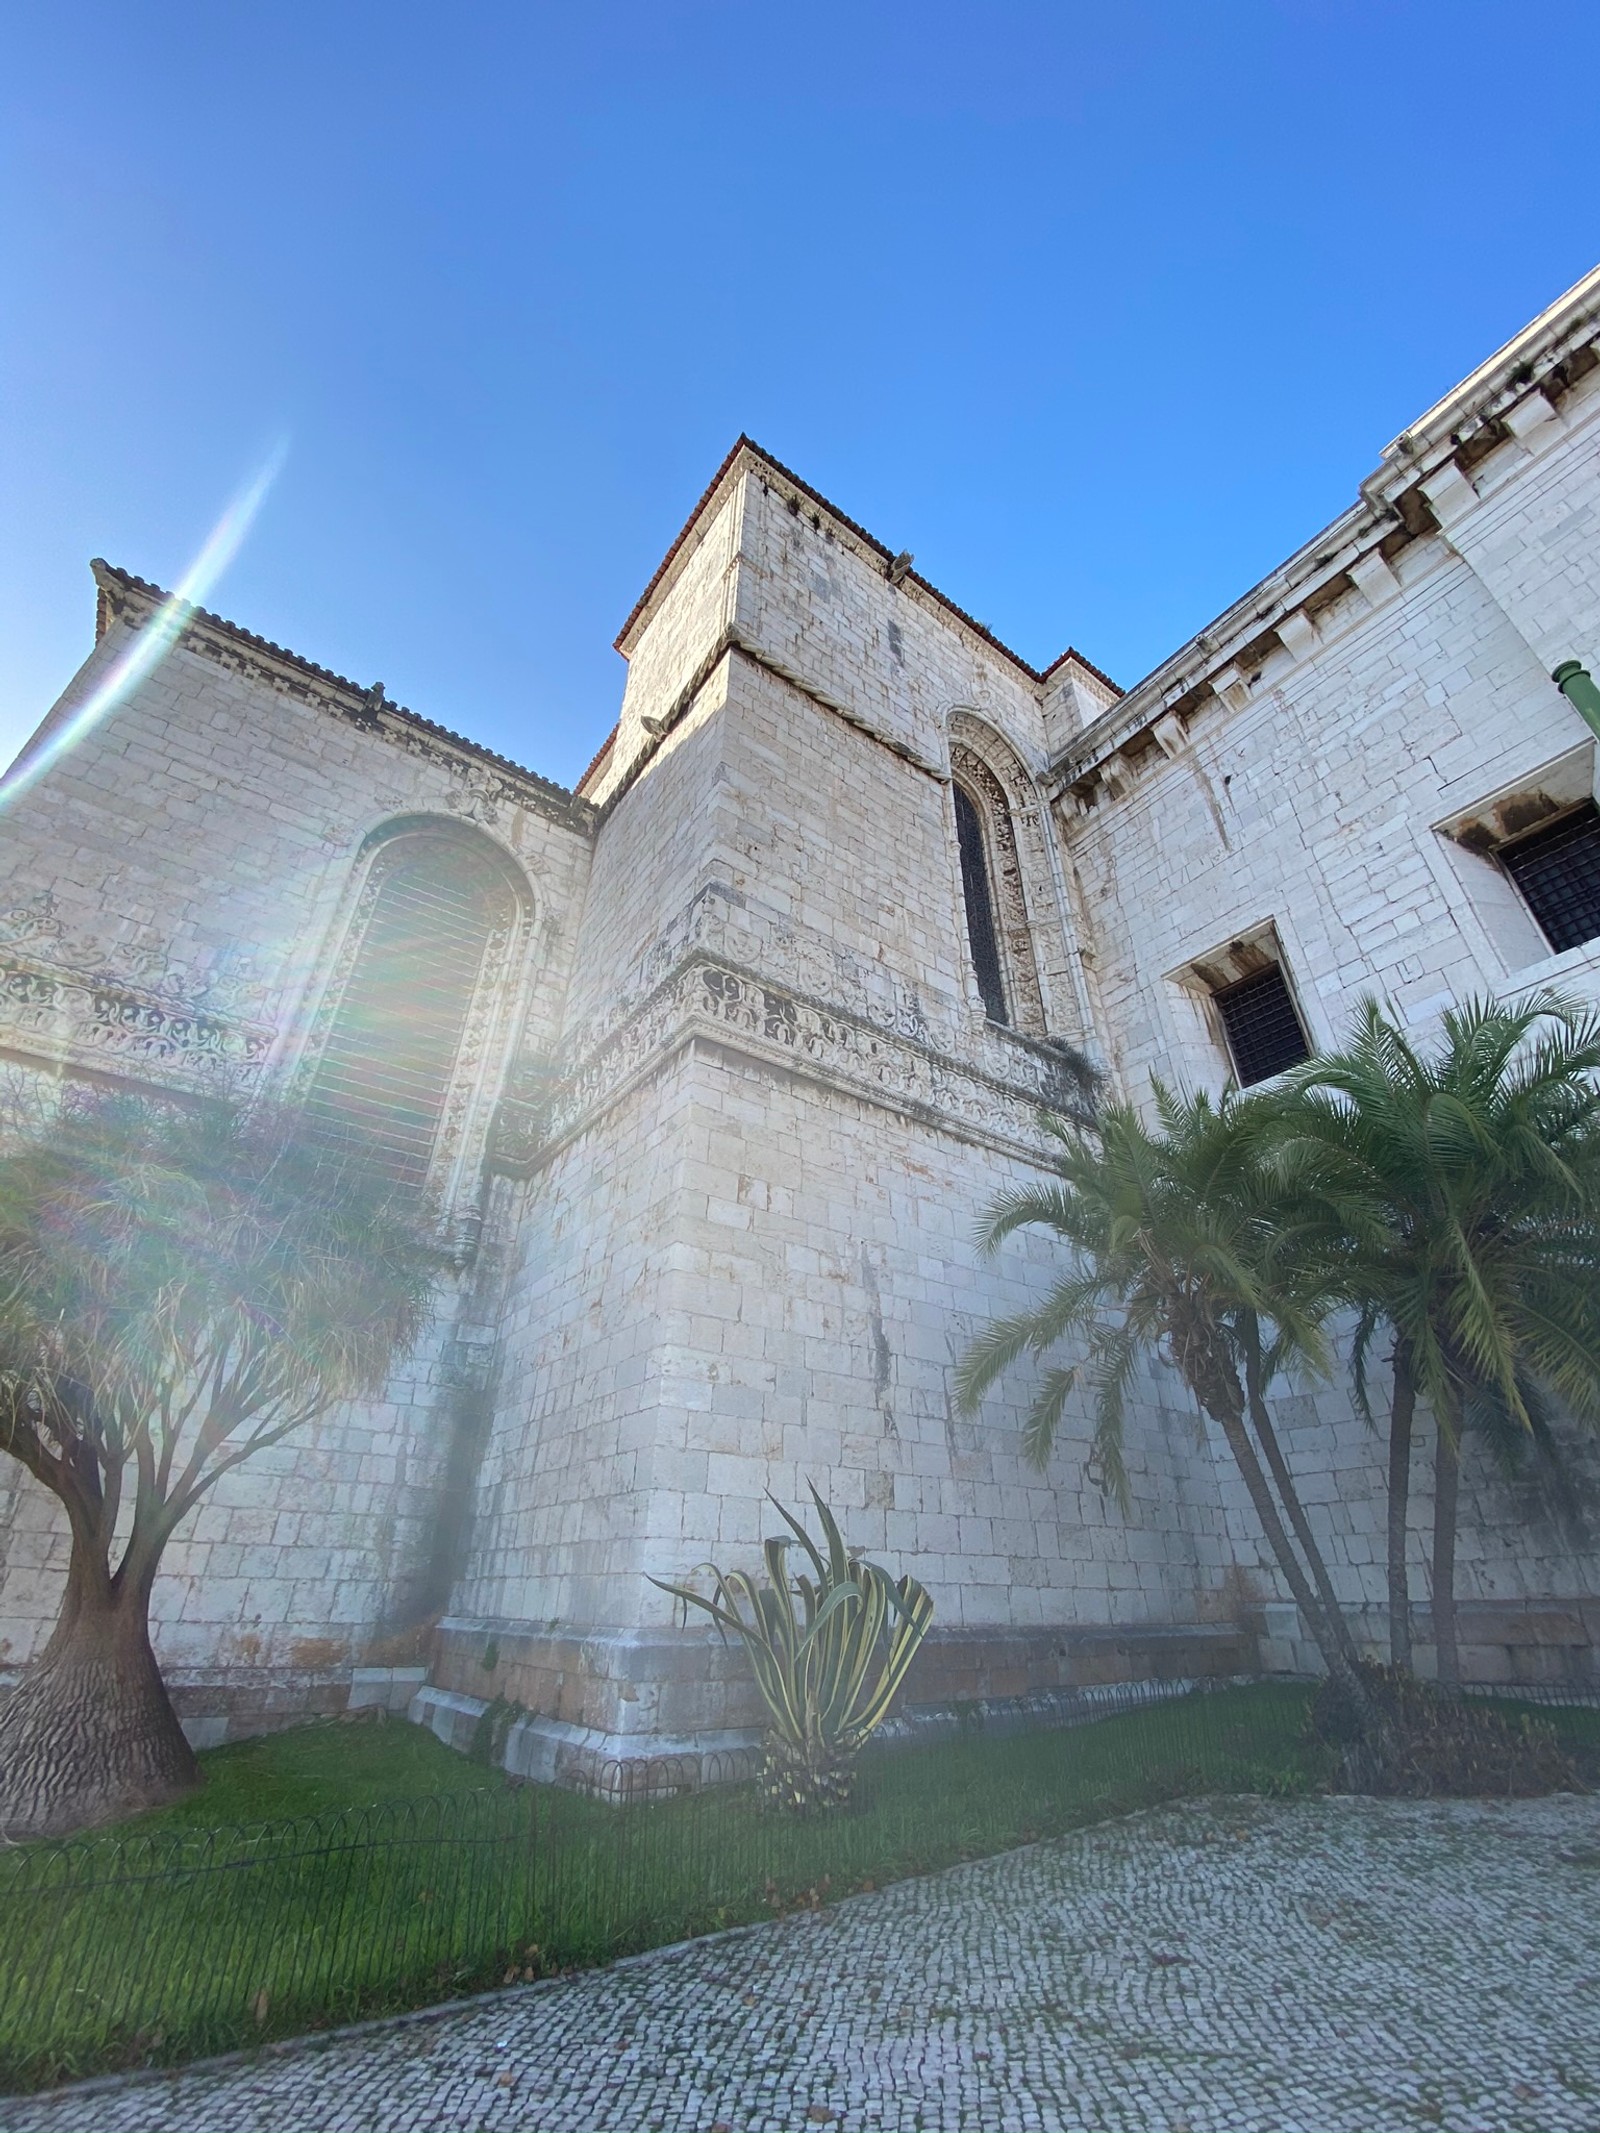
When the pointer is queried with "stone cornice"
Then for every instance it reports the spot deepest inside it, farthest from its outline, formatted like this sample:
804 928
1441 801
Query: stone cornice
1188 676
732 641
125 598
1503 398
63 999
748 457
744 1011
1486 394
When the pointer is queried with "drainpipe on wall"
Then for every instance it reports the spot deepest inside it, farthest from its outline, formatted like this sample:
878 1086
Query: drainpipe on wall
1578 686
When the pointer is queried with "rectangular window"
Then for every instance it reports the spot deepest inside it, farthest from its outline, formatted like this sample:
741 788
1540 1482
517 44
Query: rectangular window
1262 1025
1557 869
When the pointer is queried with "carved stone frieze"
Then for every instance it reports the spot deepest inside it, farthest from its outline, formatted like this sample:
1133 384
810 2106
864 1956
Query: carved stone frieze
545 1104
523 1117
67 998
718 924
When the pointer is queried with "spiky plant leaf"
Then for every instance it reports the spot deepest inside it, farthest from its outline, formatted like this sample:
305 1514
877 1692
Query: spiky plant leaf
828 1678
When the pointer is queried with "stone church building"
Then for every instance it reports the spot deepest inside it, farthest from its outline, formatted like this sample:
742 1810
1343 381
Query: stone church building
711 1064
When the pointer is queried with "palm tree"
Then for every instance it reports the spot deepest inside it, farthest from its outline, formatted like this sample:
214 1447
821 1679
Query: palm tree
1176 1243
1455 1199
179 1287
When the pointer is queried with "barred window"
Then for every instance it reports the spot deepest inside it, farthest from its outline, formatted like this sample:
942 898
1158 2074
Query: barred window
431 910
982 939
1557 869
1262 1025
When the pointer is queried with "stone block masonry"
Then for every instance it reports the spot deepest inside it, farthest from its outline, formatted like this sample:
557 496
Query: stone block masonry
731 1097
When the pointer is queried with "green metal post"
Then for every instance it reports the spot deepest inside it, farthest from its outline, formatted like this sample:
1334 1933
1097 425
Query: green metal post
1578 686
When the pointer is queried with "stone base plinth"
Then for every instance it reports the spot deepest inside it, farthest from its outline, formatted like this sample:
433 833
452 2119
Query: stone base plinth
572 1707
1534 1644
217 1704
580 1704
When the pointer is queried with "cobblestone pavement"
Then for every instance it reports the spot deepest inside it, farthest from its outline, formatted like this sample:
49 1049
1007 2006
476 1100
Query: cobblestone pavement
1305 1967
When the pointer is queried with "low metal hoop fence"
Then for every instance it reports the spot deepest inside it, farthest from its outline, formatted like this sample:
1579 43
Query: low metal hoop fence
151 1947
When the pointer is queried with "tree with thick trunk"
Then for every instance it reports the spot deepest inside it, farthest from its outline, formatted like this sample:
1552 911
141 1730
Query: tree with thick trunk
180 1286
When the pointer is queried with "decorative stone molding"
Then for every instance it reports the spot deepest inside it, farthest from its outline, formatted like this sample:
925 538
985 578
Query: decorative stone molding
135 1010
973 764
1526 418
1450 493
1374 579
485 782
717 924
542 1109
465 1123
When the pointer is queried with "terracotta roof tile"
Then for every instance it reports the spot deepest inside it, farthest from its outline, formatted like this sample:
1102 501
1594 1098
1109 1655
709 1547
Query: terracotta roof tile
600 755
1088 666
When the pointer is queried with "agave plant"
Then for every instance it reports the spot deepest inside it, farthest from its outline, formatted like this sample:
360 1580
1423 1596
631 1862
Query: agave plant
830 1649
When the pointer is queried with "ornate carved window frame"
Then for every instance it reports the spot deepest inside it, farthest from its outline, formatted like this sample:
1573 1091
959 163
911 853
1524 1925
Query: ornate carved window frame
988 772
493 1019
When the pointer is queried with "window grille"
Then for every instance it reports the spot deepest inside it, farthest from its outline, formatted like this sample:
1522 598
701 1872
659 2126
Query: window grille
982 939
1557 869
391 1052
1263 1026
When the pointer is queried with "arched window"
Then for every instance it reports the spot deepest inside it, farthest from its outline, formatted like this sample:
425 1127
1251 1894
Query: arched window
982 939
404 1016
999 932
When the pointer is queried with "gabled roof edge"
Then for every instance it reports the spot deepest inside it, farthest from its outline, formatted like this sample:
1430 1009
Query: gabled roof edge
759 453
107 574
1088 666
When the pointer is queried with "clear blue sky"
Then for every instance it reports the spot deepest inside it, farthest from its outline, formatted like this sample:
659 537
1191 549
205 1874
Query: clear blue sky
1101 309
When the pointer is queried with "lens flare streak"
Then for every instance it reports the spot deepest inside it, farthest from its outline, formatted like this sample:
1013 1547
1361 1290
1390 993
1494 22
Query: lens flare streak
159 634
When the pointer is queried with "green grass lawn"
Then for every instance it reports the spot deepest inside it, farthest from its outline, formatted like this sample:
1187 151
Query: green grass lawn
312 1769
1577 1724
366 1868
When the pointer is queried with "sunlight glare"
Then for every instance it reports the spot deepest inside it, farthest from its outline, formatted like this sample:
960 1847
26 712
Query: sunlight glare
159 634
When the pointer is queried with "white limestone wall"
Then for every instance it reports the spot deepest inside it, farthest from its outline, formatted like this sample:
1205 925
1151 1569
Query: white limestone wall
749 1282
818 819
1526 521
296 1561
590 1326
197 847
678 629
826 1279
1528 1537
1316 803
198 842
734 1280
863 737
747 1261
1312 808
817 600
842 858
658 859
1313 805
